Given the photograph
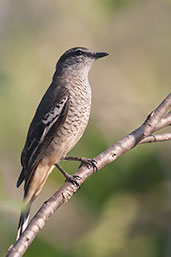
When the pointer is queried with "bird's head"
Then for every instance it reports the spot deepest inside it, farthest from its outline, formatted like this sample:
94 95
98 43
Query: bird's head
78 59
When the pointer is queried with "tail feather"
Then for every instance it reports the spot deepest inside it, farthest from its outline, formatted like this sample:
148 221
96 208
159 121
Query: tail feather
21 178
23 221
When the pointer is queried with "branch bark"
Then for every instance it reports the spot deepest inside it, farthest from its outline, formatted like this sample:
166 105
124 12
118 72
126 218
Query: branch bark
156 138
157 119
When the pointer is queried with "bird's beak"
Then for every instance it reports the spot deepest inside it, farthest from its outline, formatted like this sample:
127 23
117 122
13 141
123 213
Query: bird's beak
100 54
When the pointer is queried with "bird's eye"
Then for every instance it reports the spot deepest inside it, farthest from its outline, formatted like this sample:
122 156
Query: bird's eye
78 52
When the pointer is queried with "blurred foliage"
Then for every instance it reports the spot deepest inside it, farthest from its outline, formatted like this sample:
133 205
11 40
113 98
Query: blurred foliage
124 209
119 4
45 249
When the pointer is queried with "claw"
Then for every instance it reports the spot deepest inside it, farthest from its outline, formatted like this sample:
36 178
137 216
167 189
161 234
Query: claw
69 178
90 163
73 180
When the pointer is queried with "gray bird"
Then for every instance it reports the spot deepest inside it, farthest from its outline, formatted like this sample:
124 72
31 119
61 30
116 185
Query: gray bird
58 124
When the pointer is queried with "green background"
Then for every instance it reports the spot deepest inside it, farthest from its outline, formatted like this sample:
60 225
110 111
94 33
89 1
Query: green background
124 210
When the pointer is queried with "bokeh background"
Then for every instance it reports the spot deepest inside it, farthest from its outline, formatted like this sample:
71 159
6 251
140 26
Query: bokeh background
125 209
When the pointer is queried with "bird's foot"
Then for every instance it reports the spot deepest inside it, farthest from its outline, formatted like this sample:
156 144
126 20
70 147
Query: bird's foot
69 178
88 162
73 180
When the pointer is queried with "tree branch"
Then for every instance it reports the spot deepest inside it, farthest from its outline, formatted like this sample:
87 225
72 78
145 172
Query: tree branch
156 120
156 138
164 122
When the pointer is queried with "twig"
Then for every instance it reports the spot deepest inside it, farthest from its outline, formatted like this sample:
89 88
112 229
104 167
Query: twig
156 138
155 120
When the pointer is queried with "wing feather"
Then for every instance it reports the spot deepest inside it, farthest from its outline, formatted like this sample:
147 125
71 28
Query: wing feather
51 113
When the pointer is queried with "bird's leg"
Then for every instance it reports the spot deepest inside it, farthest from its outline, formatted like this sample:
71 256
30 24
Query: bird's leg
90 163
69 178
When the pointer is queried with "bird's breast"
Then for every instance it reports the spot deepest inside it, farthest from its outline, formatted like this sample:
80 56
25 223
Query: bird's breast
69 133
78 111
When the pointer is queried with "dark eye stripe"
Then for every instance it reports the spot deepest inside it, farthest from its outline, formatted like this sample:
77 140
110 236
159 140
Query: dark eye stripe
78 52
74 52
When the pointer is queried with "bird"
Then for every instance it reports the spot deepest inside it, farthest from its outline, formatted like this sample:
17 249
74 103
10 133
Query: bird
59 122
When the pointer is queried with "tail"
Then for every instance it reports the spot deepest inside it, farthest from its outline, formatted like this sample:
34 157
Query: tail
24 216
32 188
23 221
